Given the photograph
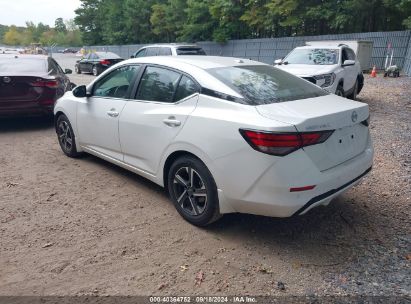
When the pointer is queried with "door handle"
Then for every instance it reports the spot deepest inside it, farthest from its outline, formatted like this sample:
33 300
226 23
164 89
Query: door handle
172 122
113 113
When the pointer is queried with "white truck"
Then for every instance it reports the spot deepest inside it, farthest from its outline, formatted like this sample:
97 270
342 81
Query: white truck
332 66
361 48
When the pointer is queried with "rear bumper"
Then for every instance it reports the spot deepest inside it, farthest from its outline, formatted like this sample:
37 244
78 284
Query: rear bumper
264 189
31 110
326 197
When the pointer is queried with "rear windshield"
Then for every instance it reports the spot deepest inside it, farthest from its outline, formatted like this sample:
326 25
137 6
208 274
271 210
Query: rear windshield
313 56
22 65
264 84
107 55
190 51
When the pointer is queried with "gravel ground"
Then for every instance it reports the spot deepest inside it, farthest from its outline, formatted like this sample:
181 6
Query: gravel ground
86 227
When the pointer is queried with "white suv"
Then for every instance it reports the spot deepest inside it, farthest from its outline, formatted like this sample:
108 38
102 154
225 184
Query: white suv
333 68
170 49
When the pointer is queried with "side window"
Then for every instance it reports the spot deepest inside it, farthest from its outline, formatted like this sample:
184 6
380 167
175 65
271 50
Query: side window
87 56
141 53
59 69
165 51
152 51
344 55
117 83
93 56
185 88
158 84
350 54
52 69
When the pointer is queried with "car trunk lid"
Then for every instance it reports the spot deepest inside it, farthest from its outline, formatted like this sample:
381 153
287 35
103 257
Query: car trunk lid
329 112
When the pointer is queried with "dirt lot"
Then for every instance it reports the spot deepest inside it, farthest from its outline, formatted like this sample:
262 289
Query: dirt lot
75 227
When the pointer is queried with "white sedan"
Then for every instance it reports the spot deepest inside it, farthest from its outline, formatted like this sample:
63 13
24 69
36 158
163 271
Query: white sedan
221 134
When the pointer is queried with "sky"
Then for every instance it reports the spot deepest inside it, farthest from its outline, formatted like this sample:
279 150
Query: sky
17 12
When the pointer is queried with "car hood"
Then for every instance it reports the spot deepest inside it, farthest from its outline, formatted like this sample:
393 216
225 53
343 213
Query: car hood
306 69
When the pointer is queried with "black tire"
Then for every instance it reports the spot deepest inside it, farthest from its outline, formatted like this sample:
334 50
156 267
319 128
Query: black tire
96 70
77 69
340 90
353 95
195 197
66 137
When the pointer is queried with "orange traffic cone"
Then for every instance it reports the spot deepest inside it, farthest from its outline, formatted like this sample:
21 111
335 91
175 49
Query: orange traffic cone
374 72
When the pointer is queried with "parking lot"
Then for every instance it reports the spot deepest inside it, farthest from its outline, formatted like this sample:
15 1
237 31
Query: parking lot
85 226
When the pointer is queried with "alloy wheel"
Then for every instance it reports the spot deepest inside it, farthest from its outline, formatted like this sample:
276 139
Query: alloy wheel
65 136
94 70
190 191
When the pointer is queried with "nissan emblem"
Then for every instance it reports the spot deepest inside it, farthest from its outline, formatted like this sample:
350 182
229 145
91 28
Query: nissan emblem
354 116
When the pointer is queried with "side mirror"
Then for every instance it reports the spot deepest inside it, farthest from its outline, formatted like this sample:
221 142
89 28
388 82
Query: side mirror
132 56
278 61
68 71
80 91
348 63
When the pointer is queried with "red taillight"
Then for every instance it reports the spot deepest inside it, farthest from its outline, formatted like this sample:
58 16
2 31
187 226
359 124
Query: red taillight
281 144
105 61
46 83
299 189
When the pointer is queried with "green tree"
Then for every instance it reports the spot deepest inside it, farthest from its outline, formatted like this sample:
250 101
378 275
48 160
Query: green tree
13 36
59 26
200 24
90 21
227 14
146 21
167 20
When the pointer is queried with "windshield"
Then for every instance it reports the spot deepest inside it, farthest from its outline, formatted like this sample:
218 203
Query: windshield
190 51
22 65
313 56
264 84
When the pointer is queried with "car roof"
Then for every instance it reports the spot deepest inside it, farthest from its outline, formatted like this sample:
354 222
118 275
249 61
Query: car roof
197 67
176 45
201 62
107 54
320 46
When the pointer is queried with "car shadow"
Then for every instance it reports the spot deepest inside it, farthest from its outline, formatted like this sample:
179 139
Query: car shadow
141 181
23 124
325 236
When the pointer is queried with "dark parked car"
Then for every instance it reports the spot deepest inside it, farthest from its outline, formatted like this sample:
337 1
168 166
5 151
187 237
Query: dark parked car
30 85
67 51
97 62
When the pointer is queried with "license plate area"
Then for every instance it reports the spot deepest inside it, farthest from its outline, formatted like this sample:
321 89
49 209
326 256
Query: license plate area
344 144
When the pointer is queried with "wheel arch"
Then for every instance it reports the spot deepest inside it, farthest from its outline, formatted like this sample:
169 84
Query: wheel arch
57 113
224 205
360 79
56 116
170 160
